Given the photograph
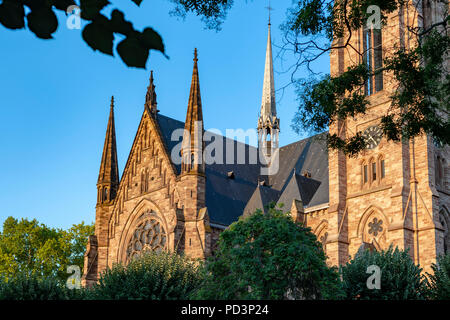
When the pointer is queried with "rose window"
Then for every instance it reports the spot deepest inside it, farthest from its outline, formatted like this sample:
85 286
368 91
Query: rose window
375 227
148 235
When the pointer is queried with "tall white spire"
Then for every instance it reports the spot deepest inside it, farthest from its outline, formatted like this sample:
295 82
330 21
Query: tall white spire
268 107
268 123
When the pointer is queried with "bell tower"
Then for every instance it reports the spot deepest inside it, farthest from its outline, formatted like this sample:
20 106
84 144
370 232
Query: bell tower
388 193
268 123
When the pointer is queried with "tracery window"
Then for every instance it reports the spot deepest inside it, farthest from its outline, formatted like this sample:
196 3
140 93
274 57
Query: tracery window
148 235
375 231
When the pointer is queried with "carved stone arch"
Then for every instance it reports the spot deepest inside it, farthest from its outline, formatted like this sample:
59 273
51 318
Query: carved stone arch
321 232
444 219
145 218
372 228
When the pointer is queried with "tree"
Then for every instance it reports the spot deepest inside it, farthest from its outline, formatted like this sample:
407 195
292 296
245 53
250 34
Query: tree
420 99
30 248
439 283
152 276
269 256
400 278
41 19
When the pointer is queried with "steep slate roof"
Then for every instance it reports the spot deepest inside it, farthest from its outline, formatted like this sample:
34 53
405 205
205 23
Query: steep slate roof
228 198
260 198
299 188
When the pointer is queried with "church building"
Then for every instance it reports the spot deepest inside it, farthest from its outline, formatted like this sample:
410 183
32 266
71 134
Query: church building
391 193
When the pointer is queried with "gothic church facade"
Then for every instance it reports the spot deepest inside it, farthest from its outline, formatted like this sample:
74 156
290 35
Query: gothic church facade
392 193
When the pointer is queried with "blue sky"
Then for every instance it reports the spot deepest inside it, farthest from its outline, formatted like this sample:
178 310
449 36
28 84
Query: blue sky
55 94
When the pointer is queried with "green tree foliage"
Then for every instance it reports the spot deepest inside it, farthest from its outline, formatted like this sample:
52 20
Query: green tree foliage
32 287
420 103
30 248
439 281
152 276
268 256
41 19
401 279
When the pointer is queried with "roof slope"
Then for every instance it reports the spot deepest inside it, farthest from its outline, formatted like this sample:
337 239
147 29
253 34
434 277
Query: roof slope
227 198
261 197
298 188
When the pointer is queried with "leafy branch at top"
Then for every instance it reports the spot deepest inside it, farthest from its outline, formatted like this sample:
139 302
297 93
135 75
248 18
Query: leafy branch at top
101 30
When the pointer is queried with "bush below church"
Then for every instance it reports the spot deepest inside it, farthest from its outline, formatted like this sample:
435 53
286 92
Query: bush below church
400 278
33 287
269 256
439 284
152 276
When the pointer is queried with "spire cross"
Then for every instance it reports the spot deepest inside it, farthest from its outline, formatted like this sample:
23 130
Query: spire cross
269 8
195 55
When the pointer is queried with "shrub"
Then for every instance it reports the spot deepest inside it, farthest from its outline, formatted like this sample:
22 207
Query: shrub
401 279
32 287
152 276
439 283
269 256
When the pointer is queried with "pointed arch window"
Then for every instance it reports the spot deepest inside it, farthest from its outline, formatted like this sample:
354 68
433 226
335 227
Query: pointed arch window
439 172
373 58
373 170
382 168
365 173
105 194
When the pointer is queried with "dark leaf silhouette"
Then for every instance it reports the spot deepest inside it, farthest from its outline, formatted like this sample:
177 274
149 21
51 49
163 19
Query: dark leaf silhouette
99 37
99 31
119 24
132 53
42 22
150 39
12 15
91 8
63 4
138 2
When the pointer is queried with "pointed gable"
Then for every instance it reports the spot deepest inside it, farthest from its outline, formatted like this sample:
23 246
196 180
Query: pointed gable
298 188
260 198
